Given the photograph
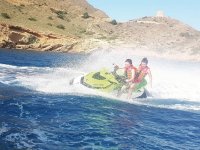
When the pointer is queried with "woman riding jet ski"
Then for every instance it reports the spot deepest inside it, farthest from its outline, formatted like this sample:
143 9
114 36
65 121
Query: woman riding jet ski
111 82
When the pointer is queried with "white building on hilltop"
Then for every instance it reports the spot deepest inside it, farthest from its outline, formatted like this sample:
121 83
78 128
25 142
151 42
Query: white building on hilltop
160 14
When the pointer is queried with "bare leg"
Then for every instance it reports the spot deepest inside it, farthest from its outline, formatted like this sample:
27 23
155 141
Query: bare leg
130 91
122 90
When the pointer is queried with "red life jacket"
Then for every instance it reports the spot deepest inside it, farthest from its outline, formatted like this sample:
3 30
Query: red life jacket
128 71
141 73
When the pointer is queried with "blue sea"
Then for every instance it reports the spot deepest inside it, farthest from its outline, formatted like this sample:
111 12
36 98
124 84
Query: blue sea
39 110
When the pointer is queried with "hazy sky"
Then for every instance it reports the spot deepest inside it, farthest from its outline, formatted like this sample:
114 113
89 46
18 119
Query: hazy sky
187 11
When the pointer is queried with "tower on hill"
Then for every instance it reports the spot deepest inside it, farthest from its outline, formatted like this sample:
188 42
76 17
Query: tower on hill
160 14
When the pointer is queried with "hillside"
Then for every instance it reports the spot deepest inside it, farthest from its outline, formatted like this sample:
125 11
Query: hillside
59 25
161 34
76 26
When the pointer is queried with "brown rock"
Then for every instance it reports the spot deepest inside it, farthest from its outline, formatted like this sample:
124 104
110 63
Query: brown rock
15 37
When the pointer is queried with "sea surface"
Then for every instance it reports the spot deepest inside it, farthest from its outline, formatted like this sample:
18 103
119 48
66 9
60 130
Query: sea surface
40 110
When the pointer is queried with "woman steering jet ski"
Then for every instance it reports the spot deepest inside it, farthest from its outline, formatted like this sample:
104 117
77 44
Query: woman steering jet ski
129 73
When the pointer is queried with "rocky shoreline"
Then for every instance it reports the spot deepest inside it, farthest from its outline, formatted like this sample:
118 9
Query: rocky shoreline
83 32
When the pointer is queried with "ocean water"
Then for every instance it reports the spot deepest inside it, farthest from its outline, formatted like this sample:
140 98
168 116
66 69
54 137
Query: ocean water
39 109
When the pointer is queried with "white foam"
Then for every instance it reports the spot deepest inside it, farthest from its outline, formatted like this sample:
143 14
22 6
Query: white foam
3 128
20 139
171 79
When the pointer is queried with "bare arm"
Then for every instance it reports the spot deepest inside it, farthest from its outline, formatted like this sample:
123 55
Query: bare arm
117 67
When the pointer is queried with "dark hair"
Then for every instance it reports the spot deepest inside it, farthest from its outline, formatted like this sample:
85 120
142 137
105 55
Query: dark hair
145 60
129 61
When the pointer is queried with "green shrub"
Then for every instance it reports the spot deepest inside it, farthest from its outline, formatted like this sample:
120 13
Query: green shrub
82 31
85 15
32 19
22 5
60 26
61 14
32 39
113 22
5 15
49 24
186 35
50 18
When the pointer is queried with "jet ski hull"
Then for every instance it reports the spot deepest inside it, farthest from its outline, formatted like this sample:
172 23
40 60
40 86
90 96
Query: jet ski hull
106 82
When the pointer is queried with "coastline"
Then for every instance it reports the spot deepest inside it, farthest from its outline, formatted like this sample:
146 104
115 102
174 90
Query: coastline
120 48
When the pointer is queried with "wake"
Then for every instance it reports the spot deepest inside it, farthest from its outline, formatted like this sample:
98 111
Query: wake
175 84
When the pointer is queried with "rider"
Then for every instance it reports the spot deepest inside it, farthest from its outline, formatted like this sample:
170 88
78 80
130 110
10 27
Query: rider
129 71
141 73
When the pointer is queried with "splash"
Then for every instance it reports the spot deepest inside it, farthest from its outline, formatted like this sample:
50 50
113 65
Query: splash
171 79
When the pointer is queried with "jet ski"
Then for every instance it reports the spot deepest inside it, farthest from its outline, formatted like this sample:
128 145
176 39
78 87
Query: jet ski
109 82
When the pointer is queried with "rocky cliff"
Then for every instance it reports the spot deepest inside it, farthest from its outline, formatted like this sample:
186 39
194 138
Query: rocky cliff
58 25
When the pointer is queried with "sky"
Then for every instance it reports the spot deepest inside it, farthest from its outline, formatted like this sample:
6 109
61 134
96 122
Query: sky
187 11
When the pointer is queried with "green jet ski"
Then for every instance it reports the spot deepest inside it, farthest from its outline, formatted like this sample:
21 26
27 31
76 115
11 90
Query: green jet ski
109 82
